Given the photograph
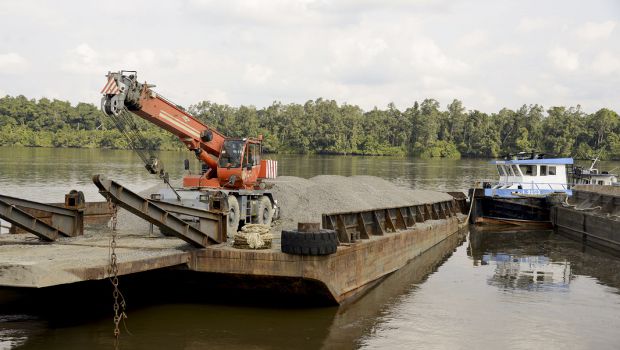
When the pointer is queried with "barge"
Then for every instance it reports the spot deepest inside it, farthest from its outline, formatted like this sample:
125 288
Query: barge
371 245
592 215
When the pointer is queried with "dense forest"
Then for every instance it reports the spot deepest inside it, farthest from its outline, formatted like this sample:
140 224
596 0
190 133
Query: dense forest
324 126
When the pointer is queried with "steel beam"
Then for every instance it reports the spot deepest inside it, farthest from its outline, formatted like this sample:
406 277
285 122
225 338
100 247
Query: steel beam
68 222
20 218
153 213
212 223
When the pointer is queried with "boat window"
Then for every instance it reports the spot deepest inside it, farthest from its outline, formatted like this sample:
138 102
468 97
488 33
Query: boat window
601 182
501 171
509 171
551 170
515 168
528 170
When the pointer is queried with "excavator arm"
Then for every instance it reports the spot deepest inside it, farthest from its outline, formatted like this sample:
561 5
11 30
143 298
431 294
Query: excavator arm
124 92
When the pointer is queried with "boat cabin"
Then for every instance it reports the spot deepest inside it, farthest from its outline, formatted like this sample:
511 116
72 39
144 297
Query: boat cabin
592 176
537 176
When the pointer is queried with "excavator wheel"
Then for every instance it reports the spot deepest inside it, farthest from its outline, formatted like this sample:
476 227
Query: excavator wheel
233 216
265 211
322 242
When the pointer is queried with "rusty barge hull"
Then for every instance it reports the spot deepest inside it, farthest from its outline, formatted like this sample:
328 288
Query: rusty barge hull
593 216
343 275
386 245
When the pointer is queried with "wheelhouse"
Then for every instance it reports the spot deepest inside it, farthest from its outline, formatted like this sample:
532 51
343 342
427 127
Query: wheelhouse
536 176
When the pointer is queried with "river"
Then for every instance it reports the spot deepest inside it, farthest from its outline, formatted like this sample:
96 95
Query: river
513 290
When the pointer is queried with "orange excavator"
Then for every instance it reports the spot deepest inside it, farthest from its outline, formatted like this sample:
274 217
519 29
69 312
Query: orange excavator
233 173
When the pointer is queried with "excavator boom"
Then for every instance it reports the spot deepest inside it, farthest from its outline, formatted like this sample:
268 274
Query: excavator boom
124 92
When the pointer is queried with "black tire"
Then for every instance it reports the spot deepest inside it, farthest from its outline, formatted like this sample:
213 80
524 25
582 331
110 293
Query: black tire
233 216
264 214
323 242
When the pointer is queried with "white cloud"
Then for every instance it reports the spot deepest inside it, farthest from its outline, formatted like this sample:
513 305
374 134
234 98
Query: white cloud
564 59
509 50
82 59
366 52
255 12
606 63
525 91
217 96
596 30
12 62
425 54
257 74
473 39
560 91
528 24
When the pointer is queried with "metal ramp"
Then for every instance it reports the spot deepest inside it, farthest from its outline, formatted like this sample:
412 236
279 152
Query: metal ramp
46 221
208 228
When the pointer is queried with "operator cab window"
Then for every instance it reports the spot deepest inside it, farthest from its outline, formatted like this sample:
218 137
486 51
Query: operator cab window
231 154
252 156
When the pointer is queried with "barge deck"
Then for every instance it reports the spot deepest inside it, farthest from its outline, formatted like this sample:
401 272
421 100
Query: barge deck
26 262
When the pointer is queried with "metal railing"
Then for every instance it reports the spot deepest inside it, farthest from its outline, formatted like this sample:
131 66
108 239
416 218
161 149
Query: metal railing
359 225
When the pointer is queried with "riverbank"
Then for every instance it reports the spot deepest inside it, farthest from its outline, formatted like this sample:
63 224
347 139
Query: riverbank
323 126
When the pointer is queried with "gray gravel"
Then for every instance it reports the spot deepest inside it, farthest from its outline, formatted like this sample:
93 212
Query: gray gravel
305 200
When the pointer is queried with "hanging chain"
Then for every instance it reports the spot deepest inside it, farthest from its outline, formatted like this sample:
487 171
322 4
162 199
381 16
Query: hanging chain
119 302
114 219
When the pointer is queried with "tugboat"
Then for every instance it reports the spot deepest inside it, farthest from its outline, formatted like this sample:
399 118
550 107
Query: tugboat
592 176
529 184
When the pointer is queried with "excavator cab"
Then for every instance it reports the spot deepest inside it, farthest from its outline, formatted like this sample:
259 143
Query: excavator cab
239 163
230 157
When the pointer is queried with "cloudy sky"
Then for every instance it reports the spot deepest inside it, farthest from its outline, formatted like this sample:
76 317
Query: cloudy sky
487 53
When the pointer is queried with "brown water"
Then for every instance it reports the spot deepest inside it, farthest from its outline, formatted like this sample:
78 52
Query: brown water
474 290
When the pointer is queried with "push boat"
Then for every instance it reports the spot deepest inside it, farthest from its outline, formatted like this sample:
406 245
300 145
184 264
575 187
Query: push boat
593 176
529 185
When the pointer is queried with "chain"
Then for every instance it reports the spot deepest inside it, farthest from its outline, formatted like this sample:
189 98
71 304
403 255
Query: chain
119 301
114 218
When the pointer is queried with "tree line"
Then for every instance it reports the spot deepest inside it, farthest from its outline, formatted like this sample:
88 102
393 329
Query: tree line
326 127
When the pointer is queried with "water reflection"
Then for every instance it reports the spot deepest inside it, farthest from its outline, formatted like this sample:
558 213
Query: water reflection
514 269
510 290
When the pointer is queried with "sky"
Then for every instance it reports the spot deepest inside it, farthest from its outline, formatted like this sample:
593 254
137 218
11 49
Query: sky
489 54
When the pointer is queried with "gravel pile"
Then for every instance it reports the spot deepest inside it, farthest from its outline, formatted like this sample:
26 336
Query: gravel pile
305 200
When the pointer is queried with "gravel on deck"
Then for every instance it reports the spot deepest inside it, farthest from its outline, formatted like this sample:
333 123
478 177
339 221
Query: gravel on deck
306 200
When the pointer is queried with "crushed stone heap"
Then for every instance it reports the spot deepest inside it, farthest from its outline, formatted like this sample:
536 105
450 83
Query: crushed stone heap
305 200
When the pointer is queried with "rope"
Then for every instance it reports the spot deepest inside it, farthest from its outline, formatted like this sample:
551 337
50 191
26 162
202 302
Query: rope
471 202
574 207
253 236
